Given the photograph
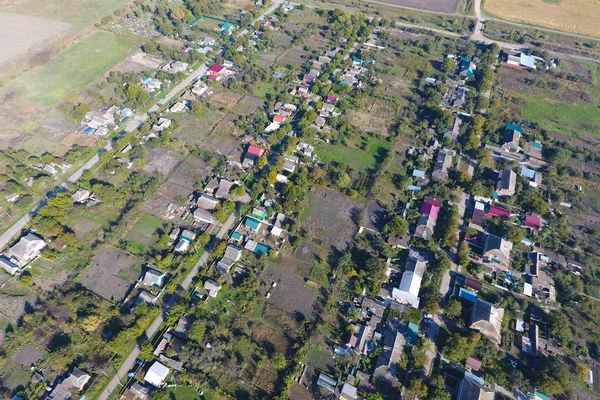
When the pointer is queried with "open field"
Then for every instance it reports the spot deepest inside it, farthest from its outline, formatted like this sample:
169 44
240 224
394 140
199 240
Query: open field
331 218
358 159
143 230
574 16
375 117
443 6
77 13
73 70
111 275
22 32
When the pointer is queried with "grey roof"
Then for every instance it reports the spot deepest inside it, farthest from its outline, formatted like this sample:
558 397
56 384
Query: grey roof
81 195
233 252
8 265
212 287
474 388
152 277
183 325
507 180
28 247
77 379
442 163
140 391
203 215
512 137
224 187
487 319
147 297
207 202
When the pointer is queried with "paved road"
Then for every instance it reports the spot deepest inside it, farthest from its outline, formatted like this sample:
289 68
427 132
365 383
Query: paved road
129 362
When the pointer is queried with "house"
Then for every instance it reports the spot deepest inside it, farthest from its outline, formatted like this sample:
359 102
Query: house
203 216
145 297
137 392
487 320
252 223
186 239
259 213
253 154
212 287
27 248
533 222
175 67
507 180
157 374
207 202
161 125
153 277
7 265
519 59
76 380
473 387
453 133
349 392
474 364
81 195
535 177
497 251
227 28
183 326
467 67
386 367
410 285
178 107
442 163
219 188
428 219
151 85
512 135
200 89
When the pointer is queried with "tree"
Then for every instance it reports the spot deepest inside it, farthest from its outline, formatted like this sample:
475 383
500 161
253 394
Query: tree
417 389
197 331
437 389
559 326
397 226
197 108
91 323
458 347
453 309
449 66
514 234
463 253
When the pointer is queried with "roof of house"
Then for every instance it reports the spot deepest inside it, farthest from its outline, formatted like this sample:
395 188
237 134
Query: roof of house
8 265
29 243
212 287
533 221
255 151
474 363
496 211
156 374
507 180
487 317
349 392
152 277
77 379
203 216
431 207
207 202
233 252
216 68
514 127
528 172
475 388
252 223
418 173
278 119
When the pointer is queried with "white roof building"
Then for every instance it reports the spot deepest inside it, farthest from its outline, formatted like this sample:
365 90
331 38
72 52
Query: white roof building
410 285
157 374
29 247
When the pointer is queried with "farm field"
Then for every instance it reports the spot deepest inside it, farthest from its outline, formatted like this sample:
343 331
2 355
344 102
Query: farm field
22 32
77 13
574 16
73 70
443 6
358 159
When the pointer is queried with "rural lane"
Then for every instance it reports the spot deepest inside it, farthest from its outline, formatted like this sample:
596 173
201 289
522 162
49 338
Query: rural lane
129 362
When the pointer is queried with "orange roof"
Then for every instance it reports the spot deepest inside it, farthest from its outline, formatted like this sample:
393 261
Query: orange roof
278 119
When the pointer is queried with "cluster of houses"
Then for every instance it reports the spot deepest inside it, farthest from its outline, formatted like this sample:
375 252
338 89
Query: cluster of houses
54 168
100 123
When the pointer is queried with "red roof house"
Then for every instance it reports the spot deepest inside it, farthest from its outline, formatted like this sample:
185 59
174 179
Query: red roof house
255 151
331 99
213 78
474 363
216 68
431 208
498 212
533 222
278 119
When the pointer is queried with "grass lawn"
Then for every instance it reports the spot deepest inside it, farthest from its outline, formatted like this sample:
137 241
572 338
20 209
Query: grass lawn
320 359
74 69
182 393
143 230
261 89
360 160
563 117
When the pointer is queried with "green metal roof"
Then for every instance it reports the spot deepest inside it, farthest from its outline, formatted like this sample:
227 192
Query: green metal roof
236 236
252 223
541 395
514 127
261 249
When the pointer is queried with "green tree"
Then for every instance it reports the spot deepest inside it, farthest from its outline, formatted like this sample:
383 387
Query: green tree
417 389
559 326
463 253
458 347
437 389
397 226
197 331
453 309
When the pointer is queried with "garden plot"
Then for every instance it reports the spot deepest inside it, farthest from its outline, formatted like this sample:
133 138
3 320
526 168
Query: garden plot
224 144
85 226
332 217
297 55
161 161
190 174
223 99
168 193
193 130
375 117
441 6
111 275
143 230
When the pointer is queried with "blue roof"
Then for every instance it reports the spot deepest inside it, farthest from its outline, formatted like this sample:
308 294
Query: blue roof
236 236
411 334
541 395
227 26
357 60
413 188
418 173
89 130
467 295
252 223
147 80
537 145
528 172
514 127
261 249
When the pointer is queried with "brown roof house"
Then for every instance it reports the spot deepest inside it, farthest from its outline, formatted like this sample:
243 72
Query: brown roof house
496 250
487 320
27 248
507 180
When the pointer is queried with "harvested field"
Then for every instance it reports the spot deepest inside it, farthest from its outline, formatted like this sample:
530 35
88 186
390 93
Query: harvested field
332 217
441 6
190 173
111 275
224 144
270 340
85 226
20 33
298 56
575 16
248 105
194 130
168 193
161 161
139 62
299 392
13 308
27 356
143 230
377 117
224 99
